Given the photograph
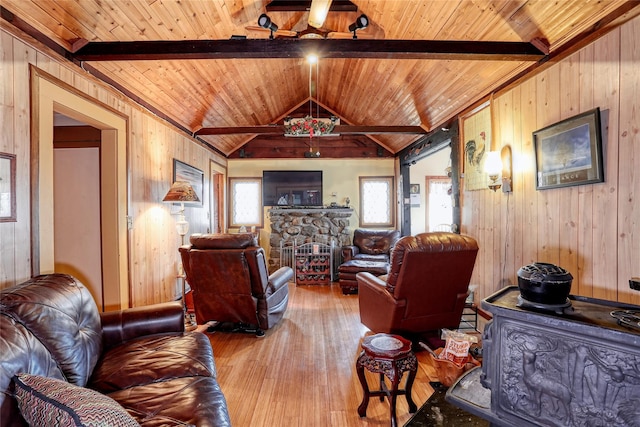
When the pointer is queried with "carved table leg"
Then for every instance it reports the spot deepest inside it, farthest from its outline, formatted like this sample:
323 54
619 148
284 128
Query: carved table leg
382 386
362 409
412 376
395 380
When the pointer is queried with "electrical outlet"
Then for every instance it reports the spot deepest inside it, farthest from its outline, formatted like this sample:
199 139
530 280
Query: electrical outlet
634 283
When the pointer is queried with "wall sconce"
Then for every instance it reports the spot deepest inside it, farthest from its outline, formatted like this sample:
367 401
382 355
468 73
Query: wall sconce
265 22
496 164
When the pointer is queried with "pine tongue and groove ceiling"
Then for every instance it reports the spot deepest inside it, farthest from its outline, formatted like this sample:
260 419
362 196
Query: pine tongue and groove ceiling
230 93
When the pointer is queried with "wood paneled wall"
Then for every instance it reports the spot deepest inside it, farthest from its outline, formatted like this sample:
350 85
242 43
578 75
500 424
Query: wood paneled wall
152 146
591 230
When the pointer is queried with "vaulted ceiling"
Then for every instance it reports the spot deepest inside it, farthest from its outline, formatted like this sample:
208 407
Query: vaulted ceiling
396 77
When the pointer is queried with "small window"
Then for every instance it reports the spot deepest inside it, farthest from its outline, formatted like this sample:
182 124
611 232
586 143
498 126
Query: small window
245 202
376 201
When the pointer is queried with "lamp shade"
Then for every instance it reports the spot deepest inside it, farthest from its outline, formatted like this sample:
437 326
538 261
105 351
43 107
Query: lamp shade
493 163
181 191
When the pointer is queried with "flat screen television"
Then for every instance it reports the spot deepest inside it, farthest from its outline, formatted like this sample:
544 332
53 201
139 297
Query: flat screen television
292 188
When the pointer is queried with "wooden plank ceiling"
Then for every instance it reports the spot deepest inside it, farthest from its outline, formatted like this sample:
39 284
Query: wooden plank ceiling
248 90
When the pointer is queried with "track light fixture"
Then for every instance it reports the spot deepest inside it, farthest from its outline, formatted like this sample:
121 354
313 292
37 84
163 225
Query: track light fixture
265 22
360 23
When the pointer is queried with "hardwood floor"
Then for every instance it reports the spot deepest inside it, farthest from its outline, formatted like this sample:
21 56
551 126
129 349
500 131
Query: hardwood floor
302 373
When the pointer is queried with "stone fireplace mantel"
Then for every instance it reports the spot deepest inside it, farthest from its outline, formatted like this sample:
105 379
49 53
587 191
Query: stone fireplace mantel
311 210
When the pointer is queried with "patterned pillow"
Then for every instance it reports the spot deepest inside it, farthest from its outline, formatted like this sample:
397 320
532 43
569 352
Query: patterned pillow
50 402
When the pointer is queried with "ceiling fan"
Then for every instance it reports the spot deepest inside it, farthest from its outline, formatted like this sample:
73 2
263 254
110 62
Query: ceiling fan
318 10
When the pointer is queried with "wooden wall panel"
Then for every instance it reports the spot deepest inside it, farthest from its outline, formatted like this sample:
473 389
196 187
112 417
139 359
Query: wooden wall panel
7 138
588 229
568 233
628 171
606 96
152 146
587 80
23 56
547 104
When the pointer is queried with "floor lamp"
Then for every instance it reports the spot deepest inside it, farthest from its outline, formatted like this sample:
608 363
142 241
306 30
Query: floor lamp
181 192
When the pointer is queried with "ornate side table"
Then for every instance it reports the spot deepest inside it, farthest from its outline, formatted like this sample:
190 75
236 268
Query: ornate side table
390 356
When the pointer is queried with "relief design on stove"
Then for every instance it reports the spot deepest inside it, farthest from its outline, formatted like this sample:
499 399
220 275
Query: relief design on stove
556 380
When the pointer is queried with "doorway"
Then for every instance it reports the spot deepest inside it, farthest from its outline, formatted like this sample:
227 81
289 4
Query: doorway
217 177
439 206
77 204
426 211
216 208
49 96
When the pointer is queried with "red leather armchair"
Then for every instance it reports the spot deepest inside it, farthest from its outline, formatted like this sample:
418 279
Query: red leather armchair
425 289
230 282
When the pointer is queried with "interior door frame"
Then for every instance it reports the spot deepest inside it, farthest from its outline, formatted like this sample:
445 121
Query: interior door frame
49 95
427 188
217 208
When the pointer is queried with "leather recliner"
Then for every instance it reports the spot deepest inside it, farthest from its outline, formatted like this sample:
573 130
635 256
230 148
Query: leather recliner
425 289
230 282
370 245
369 252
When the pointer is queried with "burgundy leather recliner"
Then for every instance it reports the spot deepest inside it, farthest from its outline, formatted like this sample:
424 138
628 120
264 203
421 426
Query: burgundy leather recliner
230 282
425 289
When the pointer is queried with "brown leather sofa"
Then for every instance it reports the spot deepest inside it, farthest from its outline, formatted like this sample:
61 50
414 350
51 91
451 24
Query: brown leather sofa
140 357
426 287
369 252
230 283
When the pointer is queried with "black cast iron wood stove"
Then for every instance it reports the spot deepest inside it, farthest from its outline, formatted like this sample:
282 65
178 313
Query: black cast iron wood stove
574 363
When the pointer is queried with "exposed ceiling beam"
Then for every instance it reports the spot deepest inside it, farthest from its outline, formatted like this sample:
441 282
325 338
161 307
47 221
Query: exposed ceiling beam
300 48
305 5
338 129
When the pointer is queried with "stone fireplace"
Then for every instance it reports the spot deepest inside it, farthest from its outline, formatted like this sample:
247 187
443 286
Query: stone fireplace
305 225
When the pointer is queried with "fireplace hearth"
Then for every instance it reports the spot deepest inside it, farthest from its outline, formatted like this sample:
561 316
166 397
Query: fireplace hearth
579 366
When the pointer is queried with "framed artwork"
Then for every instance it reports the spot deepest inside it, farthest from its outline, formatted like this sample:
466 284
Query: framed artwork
8 187
569 152
194 176
476 137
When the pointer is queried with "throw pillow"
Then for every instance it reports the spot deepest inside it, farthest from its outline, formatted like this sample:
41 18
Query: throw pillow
51 402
